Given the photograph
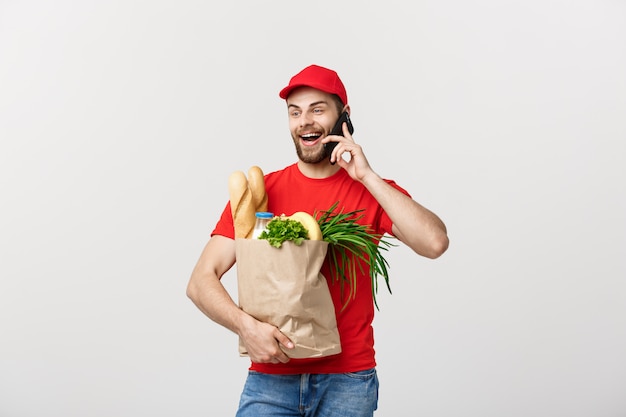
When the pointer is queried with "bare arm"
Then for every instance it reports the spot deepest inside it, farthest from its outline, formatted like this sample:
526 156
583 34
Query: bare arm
415 225
209 295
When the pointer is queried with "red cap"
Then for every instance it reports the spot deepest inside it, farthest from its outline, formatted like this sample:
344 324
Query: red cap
319 78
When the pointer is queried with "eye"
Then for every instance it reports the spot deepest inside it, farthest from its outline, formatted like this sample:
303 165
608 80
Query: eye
317 111
295 113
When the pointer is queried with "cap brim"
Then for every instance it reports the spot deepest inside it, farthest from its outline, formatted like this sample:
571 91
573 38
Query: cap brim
284 93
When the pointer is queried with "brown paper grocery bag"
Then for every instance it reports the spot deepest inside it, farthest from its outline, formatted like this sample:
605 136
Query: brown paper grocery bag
284 287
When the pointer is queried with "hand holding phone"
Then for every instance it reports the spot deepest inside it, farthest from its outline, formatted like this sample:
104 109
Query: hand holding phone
338 131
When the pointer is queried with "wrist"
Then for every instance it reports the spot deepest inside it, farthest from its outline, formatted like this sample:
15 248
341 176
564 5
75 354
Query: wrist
243 322
370 178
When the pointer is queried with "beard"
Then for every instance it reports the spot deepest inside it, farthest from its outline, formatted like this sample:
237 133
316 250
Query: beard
309 155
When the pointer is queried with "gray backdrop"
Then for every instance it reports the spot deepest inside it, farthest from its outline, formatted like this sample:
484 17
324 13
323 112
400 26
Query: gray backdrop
120 122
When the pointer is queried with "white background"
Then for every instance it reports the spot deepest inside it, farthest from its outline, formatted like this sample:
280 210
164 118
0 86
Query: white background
120 122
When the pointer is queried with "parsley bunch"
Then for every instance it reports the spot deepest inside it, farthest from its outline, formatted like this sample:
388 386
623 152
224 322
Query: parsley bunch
281 229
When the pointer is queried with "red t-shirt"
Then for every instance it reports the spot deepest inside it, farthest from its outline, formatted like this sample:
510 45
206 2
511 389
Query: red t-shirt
288 191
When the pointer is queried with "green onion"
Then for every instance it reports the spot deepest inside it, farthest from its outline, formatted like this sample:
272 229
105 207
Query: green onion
347 237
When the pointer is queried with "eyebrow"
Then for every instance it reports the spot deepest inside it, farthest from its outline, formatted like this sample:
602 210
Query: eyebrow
310 105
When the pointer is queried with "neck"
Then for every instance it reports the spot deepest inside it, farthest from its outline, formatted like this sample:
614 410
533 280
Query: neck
320 170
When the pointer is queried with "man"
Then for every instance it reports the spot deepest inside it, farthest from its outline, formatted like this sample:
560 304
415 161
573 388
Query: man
344 384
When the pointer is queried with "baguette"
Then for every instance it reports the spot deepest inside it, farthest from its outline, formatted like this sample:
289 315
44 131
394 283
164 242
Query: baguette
256 184
241 205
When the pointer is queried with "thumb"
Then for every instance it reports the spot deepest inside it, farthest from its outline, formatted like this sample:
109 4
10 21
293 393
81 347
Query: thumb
284 340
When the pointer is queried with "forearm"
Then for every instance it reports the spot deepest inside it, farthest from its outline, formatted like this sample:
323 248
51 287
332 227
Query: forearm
210 296
205 288
413 224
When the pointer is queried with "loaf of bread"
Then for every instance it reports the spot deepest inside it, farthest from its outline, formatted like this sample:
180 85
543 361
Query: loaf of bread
241 205
247 196
256 184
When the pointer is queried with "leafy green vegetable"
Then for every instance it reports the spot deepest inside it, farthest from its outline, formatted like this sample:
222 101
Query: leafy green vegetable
347 237
282 229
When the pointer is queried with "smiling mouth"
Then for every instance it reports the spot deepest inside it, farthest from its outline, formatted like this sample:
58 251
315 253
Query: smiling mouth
310 137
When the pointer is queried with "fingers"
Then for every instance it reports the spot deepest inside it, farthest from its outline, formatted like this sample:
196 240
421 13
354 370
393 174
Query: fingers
284 341
264 345
346 152
272 356
345 130
344 144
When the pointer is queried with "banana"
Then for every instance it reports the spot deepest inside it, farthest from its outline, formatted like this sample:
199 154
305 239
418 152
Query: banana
309 223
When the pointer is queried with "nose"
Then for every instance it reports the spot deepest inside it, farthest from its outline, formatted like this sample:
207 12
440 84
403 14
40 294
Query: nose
305 119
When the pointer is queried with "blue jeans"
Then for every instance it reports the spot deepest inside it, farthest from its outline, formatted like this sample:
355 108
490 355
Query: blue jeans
353 394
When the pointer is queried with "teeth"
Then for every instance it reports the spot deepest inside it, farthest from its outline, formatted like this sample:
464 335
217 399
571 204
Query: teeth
310 135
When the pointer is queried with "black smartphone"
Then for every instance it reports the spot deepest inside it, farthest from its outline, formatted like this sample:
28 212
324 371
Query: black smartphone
338 130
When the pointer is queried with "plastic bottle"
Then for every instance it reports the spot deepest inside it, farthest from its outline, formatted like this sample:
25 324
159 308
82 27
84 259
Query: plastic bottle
262 219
